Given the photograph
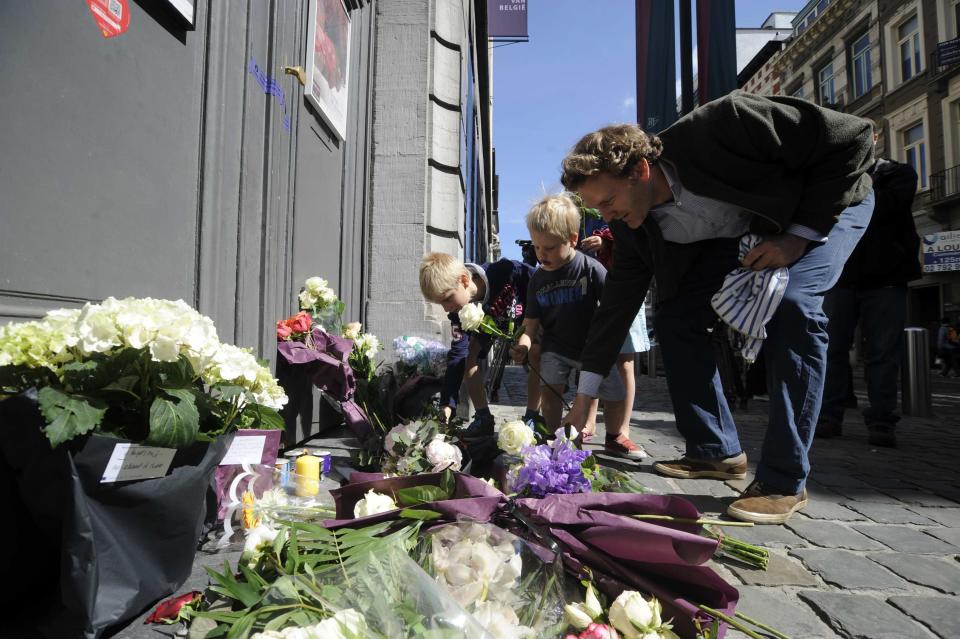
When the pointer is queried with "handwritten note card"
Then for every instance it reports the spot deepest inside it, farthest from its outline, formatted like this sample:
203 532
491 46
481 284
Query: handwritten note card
132 461
245 449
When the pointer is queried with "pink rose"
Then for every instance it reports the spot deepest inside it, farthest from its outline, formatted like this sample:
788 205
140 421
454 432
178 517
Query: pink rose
599 631
283 331
300 323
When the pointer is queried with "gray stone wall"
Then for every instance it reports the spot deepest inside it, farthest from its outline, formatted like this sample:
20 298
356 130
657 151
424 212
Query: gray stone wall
418 192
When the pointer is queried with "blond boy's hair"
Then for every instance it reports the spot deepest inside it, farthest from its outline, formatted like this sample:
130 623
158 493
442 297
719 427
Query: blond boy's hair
555 215
439 274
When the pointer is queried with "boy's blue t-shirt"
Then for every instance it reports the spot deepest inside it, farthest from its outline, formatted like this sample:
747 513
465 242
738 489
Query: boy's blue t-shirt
564 301
506 284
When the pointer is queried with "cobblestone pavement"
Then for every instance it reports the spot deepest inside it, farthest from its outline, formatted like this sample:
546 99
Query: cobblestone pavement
874 554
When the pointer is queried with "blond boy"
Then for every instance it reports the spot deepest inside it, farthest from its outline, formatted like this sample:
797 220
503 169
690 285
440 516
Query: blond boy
500 288
562 297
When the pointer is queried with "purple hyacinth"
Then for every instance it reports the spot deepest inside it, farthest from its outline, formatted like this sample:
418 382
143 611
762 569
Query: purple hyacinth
552 470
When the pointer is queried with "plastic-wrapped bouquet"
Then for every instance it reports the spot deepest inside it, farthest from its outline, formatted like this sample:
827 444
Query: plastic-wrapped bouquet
420 447
496 577
426 356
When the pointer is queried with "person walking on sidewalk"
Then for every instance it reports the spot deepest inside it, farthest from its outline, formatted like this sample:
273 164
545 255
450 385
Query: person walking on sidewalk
677 205
948 348
872 290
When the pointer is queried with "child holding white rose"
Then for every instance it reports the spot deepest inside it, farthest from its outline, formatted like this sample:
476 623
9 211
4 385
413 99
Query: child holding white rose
500 288
562 297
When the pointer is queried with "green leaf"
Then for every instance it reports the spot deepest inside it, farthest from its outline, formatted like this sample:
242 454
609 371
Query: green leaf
68 416
242 592
126 384
268 419
174 420
416 495
420 514
448 483
21 377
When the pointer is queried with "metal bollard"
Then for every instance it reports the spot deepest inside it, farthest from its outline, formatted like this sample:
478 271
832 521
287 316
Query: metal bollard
915 373
652 360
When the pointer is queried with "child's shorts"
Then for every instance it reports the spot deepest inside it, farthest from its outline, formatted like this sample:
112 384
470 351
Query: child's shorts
555 370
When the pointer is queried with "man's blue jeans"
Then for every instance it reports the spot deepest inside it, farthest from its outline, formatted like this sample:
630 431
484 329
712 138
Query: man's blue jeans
881 313
795 351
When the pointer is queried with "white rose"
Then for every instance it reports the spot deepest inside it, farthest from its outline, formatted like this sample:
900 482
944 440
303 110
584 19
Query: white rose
630 612
352 330
369 345
297 633
257 539
351 623
307 299
576 616
373 503
501 621
591 604
443 455
471 316
315 284
514 436
268 634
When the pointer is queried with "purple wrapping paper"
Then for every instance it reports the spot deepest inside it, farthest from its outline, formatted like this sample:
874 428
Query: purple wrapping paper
326 359
659 558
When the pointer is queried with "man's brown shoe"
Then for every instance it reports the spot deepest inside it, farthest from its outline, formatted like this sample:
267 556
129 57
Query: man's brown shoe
763 505
688 468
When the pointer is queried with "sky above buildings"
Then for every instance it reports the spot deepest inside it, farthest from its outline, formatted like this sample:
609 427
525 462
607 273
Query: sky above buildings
576 74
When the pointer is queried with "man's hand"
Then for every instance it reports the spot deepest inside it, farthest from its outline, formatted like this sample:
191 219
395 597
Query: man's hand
592 243
776 251
577 417
520 350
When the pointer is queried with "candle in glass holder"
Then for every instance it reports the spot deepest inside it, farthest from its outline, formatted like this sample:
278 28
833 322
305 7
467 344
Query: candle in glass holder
308 475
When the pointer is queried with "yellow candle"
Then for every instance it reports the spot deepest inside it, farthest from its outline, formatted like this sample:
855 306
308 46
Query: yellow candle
307 475
308 466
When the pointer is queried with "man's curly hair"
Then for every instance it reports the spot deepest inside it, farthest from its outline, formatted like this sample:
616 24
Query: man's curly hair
614 149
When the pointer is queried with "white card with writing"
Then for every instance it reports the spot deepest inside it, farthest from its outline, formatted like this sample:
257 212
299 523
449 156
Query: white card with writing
245 449
132 461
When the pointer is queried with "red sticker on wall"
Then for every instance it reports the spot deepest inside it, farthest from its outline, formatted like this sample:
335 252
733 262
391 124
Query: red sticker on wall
112 16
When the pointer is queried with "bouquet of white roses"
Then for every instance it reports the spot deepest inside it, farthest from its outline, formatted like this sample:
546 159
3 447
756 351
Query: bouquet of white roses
147 370
496 577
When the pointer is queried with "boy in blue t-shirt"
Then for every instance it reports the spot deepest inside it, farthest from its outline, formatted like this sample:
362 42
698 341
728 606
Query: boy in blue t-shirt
500 288
562 297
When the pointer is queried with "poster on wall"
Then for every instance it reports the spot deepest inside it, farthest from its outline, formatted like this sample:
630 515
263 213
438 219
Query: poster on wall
941 252
185 10
328 62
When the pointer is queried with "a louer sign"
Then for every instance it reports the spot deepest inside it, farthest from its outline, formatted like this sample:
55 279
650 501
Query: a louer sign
941 252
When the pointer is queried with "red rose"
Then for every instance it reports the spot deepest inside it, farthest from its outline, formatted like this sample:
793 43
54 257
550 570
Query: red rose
300 323
283 330
168 611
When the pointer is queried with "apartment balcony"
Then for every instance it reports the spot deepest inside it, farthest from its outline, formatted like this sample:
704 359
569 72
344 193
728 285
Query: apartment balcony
945 186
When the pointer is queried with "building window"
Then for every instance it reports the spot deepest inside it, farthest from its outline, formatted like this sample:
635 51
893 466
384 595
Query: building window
798 92
825 88
822 5
908 43
862 81
915 151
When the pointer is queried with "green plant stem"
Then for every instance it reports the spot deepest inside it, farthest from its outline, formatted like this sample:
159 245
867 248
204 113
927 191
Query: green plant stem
730 621
702 522
776 633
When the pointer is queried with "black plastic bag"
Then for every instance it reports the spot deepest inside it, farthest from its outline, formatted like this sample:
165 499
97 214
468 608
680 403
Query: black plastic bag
92 555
